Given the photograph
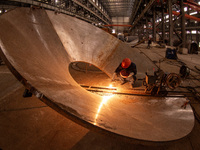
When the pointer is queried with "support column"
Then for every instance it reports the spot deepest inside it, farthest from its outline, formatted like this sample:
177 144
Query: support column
163 22
170 23
154 24
197 38
139 32
143 30
182 23
147 30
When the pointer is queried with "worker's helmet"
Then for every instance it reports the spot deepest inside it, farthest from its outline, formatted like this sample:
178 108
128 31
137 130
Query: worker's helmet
124 73
126 63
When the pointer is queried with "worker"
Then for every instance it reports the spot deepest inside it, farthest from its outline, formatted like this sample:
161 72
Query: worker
126 72
149 43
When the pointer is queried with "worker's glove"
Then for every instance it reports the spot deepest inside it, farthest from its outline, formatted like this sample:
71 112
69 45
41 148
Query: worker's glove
131 74
113 77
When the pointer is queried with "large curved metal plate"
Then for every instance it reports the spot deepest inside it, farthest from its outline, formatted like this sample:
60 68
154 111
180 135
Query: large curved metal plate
38 47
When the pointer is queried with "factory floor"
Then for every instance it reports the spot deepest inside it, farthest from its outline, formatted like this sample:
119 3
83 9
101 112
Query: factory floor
27 123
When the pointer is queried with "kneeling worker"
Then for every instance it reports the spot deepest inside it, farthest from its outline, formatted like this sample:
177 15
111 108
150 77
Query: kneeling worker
126 72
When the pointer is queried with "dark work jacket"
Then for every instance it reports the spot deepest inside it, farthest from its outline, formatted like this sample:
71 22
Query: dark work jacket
131 68
149 41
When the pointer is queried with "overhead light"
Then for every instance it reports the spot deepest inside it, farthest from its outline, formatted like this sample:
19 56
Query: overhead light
199 2
185 8
194 32
193 13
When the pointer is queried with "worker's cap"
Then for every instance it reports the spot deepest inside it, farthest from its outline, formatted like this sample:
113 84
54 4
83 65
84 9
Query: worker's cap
126 63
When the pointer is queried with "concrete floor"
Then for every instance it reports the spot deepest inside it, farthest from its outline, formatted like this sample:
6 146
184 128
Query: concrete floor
27 123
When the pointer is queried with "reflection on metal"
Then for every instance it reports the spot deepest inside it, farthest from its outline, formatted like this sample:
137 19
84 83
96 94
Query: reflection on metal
40 56
104 101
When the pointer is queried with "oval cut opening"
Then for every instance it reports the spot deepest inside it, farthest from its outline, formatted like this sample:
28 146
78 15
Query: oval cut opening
86 74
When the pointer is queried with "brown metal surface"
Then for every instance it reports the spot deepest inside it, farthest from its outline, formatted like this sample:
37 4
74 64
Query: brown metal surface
39 46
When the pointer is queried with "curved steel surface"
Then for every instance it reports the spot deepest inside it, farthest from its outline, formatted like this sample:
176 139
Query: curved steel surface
39 45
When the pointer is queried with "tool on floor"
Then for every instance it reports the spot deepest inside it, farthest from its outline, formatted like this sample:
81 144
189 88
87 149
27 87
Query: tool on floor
157 84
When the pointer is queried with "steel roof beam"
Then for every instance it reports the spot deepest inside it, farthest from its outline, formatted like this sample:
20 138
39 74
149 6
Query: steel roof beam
99 10
142 14
112 7
80 4
122 4
118 7
134 11
117 1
